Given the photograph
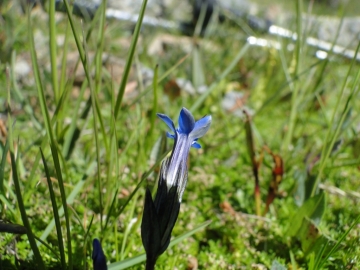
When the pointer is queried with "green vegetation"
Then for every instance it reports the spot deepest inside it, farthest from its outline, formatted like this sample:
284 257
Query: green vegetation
80 142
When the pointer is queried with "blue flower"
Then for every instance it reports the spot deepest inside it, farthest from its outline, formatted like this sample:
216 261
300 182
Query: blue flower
185 136
98 256
160 215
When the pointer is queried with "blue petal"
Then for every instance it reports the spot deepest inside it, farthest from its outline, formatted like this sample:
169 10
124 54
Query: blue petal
196 145
201 127
169 135
167 121
186 121
98 256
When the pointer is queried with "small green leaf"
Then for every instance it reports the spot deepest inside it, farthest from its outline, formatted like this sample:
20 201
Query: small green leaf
308 234
313 241
313 209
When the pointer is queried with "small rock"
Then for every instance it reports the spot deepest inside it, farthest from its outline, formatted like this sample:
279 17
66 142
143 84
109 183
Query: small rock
21 68
192 264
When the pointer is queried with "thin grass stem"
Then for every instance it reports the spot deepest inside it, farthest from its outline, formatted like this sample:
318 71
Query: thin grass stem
129 60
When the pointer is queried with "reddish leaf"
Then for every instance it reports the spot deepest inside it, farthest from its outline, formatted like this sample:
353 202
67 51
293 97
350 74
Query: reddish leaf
277 175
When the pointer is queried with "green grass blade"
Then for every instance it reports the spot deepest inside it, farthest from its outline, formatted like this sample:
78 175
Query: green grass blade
85 240
32 176
100 47
48 125
277 95
2 167
127 263
95 109
320 254
338 243
55 156
129 224
180 238
53 54
37 257
20 97
129 59
53 251
112 161
331 136
74 132
39 85
70 199
55 212
198 74
295 100
155 101
9 205
112 205
75 34
64 58
141 258
98 67
145 175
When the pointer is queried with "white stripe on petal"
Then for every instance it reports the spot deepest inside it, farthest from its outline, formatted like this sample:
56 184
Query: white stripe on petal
201 127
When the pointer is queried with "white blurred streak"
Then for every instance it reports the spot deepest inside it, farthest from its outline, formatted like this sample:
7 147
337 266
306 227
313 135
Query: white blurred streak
129 17
314 42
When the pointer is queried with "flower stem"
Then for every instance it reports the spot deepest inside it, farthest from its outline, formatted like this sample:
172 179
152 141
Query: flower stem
150 265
